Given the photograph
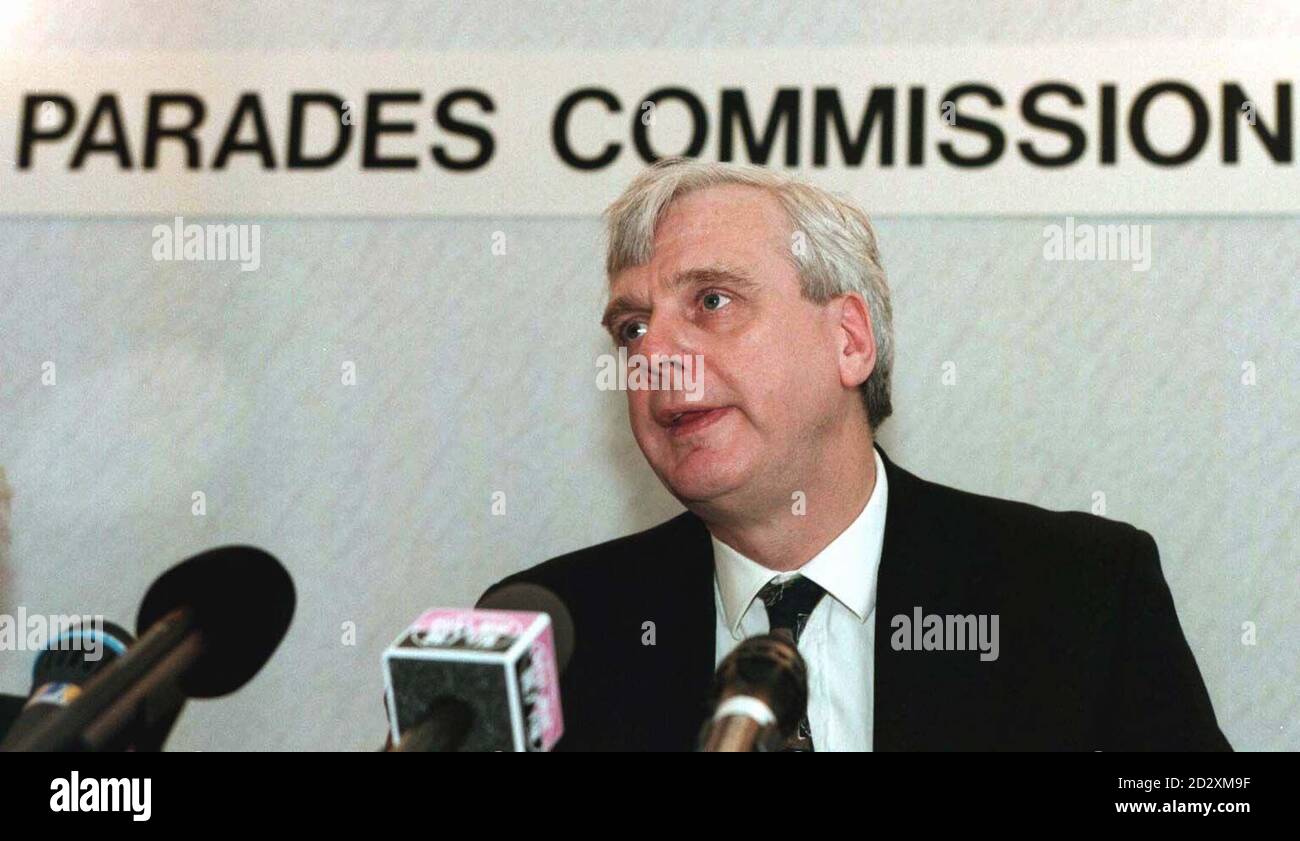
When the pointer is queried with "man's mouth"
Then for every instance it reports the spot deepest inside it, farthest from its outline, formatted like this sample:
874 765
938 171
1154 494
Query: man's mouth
695 420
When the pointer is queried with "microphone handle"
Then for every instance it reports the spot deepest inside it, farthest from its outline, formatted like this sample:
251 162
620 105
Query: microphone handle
443 729
172 643
733 734
151 704
742 724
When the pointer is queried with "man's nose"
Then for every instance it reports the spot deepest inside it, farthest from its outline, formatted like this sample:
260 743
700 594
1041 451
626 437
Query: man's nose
667 336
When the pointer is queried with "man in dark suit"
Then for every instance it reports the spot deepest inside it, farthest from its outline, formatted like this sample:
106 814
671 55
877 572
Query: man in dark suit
930 618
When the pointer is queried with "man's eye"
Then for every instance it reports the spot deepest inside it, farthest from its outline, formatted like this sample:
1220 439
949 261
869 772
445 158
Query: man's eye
715 300
631 330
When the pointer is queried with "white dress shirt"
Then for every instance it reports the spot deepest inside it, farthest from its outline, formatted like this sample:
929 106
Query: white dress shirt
838 643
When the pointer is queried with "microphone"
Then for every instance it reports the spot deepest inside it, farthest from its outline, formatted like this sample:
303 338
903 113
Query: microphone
533 598
62 668
760 694
11 706
206 626
485 679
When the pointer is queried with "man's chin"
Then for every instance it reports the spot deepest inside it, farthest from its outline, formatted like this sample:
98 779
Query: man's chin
702 484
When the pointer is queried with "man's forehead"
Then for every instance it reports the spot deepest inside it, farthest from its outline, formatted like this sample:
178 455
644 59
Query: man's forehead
734 225
728 210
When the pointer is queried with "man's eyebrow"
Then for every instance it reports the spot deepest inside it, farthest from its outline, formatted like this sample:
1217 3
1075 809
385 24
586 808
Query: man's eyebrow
707 275
703 276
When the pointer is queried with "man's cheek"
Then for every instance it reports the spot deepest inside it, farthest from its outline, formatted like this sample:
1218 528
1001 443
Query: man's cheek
637 408
643 425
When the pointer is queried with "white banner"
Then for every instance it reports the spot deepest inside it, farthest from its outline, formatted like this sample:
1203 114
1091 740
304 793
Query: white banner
1141 128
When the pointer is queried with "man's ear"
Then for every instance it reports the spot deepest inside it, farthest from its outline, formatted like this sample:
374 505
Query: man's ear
857 341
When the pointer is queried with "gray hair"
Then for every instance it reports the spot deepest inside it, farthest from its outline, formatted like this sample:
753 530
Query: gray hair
838 256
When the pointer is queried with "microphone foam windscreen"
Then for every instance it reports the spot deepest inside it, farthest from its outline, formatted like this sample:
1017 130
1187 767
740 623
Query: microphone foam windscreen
501 664
242 601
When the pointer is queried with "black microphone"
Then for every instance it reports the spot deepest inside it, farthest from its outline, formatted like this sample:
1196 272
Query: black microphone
11 706
533 598
483 679
206 626
63 668
760 694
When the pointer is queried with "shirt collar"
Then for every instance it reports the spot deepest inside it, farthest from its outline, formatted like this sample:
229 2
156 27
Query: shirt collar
846 569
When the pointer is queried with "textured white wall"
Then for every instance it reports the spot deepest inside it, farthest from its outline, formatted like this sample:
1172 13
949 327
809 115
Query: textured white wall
476 374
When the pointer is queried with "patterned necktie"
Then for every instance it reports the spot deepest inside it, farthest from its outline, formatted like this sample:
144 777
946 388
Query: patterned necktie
789 604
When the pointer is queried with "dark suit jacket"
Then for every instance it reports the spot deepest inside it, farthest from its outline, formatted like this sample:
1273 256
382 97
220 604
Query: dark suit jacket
1092 656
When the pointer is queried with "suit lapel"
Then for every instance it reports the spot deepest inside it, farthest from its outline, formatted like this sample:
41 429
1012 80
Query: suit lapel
701 616
924 700
685 649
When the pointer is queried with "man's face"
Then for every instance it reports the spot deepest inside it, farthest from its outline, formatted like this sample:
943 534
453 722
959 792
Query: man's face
721 284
